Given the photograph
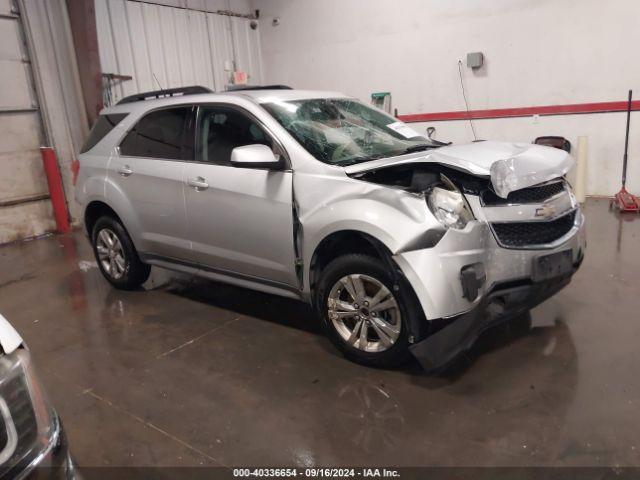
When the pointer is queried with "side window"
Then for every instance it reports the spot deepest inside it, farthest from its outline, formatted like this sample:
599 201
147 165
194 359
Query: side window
101 128
159 134
223 129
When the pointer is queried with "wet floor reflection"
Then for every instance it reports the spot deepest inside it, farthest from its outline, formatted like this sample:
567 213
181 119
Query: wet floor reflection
369 417
505 398
246 377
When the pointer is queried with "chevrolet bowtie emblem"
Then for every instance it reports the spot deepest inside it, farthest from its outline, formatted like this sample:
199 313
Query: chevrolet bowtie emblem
546 211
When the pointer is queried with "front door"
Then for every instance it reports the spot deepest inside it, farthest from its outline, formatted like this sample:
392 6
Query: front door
239 220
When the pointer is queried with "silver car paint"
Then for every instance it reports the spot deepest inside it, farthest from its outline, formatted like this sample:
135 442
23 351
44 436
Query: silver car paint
242 222
154 189
248 250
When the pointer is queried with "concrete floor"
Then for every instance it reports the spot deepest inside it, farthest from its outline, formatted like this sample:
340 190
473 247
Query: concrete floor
191 372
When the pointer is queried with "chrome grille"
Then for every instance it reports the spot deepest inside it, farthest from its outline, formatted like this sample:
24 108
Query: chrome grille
16 395
532 234
24 418
536 194
4 437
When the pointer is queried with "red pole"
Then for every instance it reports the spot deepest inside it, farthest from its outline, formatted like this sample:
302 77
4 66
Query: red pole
56 190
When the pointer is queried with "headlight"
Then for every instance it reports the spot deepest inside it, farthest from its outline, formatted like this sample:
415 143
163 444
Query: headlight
449 206
28 424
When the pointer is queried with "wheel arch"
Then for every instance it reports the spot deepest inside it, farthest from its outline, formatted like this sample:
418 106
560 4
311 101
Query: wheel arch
94 210
343 242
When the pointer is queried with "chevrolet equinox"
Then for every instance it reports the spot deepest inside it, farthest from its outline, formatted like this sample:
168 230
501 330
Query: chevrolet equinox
402 244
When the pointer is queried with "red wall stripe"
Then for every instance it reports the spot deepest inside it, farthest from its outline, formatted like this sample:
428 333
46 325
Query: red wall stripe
573 109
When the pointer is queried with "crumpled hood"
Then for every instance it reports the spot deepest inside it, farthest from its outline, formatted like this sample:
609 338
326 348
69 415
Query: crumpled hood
9 338
511 166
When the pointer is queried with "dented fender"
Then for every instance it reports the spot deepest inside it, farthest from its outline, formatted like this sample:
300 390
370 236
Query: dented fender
396 218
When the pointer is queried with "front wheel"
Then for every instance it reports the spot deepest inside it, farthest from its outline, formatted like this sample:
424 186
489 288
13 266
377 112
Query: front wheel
366 310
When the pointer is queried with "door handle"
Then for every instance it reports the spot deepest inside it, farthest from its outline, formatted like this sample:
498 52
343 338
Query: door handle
125 170
198 183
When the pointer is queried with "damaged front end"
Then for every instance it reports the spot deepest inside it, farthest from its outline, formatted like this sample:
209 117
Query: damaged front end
511 235
506 166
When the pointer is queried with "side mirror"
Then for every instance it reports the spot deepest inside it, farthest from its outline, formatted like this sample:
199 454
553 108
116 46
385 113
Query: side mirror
255 156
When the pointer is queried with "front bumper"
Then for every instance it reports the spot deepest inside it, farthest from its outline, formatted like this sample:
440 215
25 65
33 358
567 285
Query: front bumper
504 286
435 273
502 304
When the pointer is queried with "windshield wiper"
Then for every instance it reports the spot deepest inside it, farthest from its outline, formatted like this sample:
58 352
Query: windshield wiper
366 158
363 158
419 148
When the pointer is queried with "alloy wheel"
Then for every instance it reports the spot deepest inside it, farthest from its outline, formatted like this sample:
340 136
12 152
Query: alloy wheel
364 313
110 253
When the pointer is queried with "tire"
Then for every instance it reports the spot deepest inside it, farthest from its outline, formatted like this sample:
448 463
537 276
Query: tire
116 256
373 275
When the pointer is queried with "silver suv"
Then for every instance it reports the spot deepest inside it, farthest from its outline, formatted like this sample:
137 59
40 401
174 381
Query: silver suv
402 244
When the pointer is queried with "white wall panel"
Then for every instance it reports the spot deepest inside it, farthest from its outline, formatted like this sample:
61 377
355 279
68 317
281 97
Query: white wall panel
200 47
142 67
61 103
247 49
9 39
537 52
50 60
180 46
222 46
107 48
155 37
185 54
21 172
169 46
5 7
122 63
15 84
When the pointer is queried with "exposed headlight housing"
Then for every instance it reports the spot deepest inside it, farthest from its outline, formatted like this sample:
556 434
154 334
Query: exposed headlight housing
448 205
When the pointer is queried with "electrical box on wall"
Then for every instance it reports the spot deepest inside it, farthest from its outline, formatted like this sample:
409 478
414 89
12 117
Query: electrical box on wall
475 59
382 100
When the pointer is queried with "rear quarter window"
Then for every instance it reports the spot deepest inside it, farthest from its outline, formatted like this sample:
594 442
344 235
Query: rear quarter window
101 128
159 134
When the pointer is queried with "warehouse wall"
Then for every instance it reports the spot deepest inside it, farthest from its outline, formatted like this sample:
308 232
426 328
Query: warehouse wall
59 90
40 105
537 52
178 41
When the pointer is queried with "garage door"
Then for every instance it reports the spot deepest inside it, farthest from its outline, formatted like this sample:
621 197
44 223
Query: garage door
25 210
145 46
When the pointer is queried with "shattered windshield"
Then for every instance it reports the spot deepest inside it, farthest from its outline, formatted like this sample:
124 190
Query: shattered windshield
343 132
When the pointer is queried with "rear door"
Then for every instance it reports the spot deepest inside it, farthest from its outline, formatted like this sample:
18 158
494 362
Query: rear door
240 220
148 169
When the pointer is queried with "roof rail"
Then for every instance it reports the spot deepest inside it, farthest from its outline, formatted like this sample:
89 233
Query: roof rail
235 88
169 92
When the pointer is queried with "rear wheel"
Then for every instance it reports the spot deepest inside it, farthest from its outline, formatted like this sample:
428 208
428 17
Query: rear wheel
366 311
116 256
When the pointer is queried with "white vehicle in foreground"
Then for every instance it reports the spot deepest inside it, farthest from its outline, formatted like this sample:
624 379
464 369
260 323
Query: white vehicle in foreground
402 244
31 434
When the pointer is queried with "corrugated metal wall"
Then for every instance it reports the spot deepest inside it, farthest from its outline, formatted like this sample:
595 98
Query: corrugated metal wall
179 46
25 209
